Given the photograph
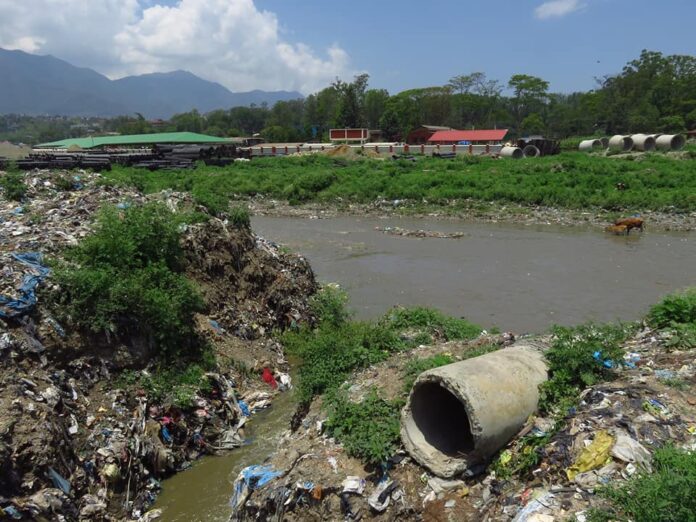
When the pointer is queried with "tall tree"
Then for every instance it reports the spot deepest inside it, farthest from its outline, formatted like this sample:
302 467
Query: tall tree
530 93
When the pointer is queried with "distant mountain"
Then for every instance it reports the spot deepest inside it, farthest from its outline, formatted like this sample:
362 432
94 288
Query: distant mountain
44 85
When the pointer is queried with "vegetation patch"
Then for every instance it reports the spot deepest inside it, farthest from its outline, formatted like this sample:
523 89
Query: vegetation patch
337 345
665 495
570 180
127 278
676 314
368 430
170 386
13 187
580 357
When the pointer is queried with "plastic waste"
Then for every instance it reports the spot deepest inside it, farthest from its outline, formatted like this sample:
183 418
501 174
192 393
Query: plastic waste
245 408
58 481
532 508
353 484
379 500
251 478
630 450
593 456
21 305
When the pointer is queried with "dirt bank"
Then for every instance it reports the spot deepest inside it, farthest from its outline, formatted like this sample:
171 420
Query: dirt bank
78 438
638 412
473 211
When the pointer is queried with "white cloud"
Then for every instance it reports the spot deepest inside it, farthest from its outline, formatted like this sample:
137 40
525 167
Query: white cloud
557 8
229 41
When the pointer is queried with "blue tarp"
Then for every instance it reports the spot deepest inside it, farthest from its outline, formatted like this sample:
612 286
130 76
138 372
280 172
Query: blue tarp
253 477
13 307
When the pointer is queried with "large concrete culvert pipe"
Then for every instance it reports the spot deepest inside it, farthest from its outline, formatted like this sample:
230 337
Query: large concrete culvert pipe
511 152
643 142
605 142
670 142
459 415
590 145
620 143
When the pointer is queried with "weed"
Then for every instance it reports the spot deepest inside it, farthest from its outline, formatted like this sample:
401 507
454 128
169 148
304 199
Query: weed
580 357
126 278
240 217
430 321
12 184
676 383
64 182
176 386
368 430
665 495
330 305
674 309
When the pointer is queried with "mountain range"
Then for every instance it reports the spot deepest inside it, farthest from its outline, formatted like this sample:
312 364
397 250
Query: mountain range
45 85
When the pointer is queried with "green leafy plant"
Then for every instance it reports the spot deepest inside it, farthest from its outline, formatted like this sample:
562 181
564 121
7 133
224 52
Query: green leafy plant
675 309
430 321
240 217
330 306
369 429
580 357
127 278
665 495
417 366
13 187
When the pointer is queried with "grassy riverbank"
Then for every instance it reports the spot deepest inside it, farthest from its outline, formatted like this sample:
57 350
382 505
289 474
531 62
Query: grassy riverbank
569 181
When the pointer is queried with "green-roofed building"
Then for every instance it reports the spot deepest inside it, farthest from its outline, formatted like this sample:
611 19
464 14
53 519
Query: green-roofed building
134 140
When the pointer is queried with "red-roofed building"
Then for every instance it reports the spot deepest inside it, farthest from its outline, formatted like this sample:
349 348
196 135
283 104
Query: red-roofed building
475 137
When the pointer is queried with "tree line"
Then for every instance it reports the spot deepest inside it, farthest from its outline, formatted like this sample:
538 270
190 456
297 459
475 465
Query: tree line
653 93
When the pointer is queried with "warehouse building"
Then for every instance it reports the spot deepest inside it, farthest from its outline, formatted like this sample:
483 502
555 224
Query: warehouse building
468 137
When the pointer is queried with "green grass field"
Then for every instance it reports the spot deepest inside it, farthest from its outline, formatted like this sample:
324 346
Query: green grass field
570 180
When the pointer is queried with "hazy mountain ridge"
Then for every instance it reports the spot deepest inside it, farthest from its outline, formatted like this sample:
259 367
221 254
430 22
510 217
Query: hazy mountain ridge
45 85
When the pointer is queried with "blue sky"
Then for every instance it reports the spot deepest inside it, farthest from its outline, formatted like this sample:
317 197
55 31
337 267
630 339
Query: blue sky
303 45
404 44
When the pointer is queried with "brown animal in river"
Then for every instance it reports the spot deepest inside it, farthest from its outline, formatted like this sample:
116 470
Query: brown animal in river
632 222
619 230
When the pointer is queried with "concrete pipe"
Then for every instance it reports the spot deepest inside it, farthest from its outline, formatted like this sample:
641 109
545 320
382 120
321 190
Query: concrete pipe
459 415
620 143
590 145
511 152
605 142
670 142
643 142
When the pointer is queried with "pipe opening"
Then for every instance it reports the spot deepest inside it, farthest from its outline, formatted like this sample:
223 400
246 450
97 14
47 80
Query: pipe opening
441 419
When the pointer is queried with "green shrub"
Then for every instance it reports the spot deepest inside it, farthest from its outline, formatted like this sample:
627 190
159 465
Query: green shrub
665 495
13 187
430 321
126 278
64 182
675 309
176 386
368 430
580 357
240 217
330 305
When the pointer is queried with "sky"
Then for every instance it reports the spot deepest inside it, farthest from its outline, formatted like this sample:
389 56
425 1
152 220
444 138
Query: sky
303 45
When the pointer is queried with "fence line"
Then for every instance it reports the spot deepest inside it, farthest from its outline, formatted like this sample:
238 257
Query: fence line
381 149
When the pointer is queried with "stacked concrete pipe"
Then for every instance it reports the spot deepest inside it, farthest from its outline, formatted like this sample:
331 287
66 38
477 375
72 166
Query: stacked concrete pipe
643 142
459 415
590 145
620 143
670 142
511 152
605 142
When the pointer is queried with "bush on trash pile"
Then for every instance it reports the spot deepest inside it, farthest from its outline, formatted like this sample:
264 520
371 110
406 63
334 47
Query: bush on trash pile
13 187
676 313
126 277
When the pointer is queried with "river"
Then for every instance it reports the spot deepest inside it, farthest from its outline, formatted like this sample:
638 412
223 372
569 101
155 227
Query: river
518 278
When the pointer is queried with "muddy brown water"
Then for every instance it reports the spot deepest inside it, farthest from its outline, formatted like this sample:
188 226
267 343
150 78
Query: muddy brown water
519 278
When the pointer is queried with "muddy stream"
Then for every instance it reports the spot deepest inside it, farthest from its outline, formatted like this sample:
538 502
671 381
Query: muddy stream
519 278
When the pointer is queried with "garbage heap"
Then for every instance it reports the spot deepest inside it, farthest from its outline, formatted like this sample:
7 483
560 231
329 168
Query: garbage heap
607 438
77 442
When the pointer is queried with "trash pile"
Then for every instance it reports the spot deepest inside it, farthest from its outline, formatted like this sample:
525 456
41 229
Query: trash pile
77 440
404 232
607 438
